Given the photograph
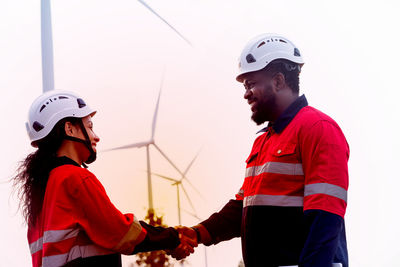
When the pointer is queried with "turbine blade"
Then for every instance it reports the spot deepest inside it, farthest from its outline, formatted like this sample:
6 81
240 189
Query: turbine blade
192 214
188 198
166 177
135 145
195 189
191 163
166 22
47 47
170 162
153 127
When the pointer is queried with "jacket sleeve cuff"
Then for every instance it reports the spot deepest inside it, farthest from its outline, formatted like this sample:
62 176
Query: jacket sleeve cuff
157 238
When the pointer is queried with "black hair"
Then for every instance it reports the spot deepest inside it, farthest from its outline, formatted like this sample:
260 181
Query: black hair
33 172
290 71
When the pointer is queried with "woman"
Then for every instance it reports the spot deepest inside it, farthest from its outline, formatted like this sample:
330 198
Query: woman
71 221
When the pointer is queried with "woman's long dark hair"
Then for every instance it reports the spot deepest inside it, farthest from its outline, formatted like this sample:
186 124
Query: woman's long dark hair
33 172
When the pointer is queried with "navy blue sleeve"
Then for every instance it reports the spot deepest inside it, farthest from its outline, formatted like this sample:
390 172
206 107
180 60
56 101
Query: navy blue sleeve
225 224
157 238
325 240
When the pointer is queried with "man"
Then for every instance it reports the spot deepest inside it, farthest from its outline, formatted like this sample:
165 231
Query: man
290 209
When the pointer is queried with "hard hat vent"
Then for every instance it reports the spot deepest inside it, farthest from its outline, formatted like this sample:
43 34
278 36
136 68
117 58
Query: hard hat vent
250 58
37 126
296 52
261 44
45 105
81 103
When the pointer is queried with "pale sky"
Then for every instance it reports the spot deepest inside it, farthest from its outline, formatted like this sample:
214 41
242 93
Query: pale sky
113 53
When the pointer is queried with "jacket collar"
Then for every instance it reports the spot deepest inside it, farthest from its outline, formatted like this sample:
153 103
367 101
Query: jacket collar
59 161
287 116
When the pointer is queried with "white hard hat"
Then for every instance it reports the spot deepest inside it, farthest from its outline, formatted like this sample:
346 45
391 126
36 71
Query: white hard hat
263 49
50 108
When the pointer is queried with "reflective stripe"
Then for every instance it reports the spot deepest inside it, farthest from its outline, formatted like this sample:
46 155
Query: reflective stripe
87 251
74 253
241 193
273 200
36 246
276 167
52 236
327 189
59 235
138 229
93 250
56 260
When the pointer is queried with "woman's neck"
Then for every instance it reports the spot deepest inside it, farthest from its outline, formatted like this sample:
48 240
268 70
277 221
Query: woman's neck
69 149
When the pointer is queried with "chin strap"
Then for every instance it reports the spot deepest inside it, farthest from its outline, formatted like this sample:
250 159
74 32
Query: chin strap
86 142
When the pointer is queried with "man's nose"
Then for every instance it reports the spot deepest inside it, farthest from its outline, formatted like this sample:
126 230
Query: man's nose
247 93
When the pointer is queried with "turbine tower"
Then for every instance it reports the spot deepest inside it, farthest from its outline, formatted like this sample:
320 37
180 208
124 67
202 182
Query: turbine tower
47 47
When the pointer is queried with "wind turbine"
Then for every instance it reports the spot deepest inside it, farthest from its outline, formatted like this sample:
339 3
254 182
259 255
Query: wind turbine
47 42
147 144
47 47
166 22
177 183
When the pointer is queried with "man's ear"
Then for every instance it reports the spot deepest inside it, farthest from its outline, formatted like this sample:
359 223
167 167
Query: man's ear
279 81
69 128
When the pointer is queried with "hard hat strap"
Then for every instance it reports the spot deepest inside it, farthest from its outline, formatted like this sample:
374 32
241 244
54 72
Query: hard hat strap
86 142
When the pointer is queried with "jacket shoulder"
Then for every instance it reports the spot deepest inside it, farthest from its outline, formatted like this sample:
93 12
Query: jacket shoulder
309 116
70 176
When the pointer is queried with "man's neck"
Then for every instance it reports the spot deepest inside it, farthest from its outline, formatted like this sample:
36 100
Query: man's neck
285 101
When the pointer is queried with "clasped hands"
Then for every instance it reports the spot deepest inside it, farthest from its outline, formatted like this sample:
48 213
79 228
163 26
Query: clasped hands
189 241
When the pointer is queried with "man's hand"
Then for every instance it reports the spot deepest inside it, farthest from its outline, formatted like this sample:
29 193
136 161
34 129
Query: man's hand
188 239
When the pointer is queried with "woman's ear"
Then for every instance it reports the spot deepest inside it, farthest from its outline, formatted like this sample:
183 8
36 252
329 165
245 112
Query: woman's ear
70 129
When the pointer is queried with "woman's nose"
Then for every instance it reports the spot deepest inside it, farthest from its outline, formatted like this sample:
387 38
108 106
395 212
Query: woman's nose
96 138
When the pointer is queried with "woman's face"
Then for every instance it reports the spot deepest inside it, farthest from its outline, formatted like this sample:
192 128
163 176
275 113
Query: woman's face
75 149
87 122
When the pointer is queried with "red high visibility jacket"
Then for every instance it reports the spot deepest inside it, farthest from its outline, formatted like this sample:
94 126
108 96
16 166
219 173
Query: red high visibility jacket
77 220
303 166
290 208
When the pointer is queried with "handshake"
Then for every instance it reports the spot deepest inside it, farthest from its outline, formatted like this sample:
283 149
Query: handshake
189 240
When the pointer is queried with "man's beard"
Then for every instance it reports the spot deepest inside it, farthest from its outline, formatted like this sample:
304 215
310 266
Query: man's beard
264 108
